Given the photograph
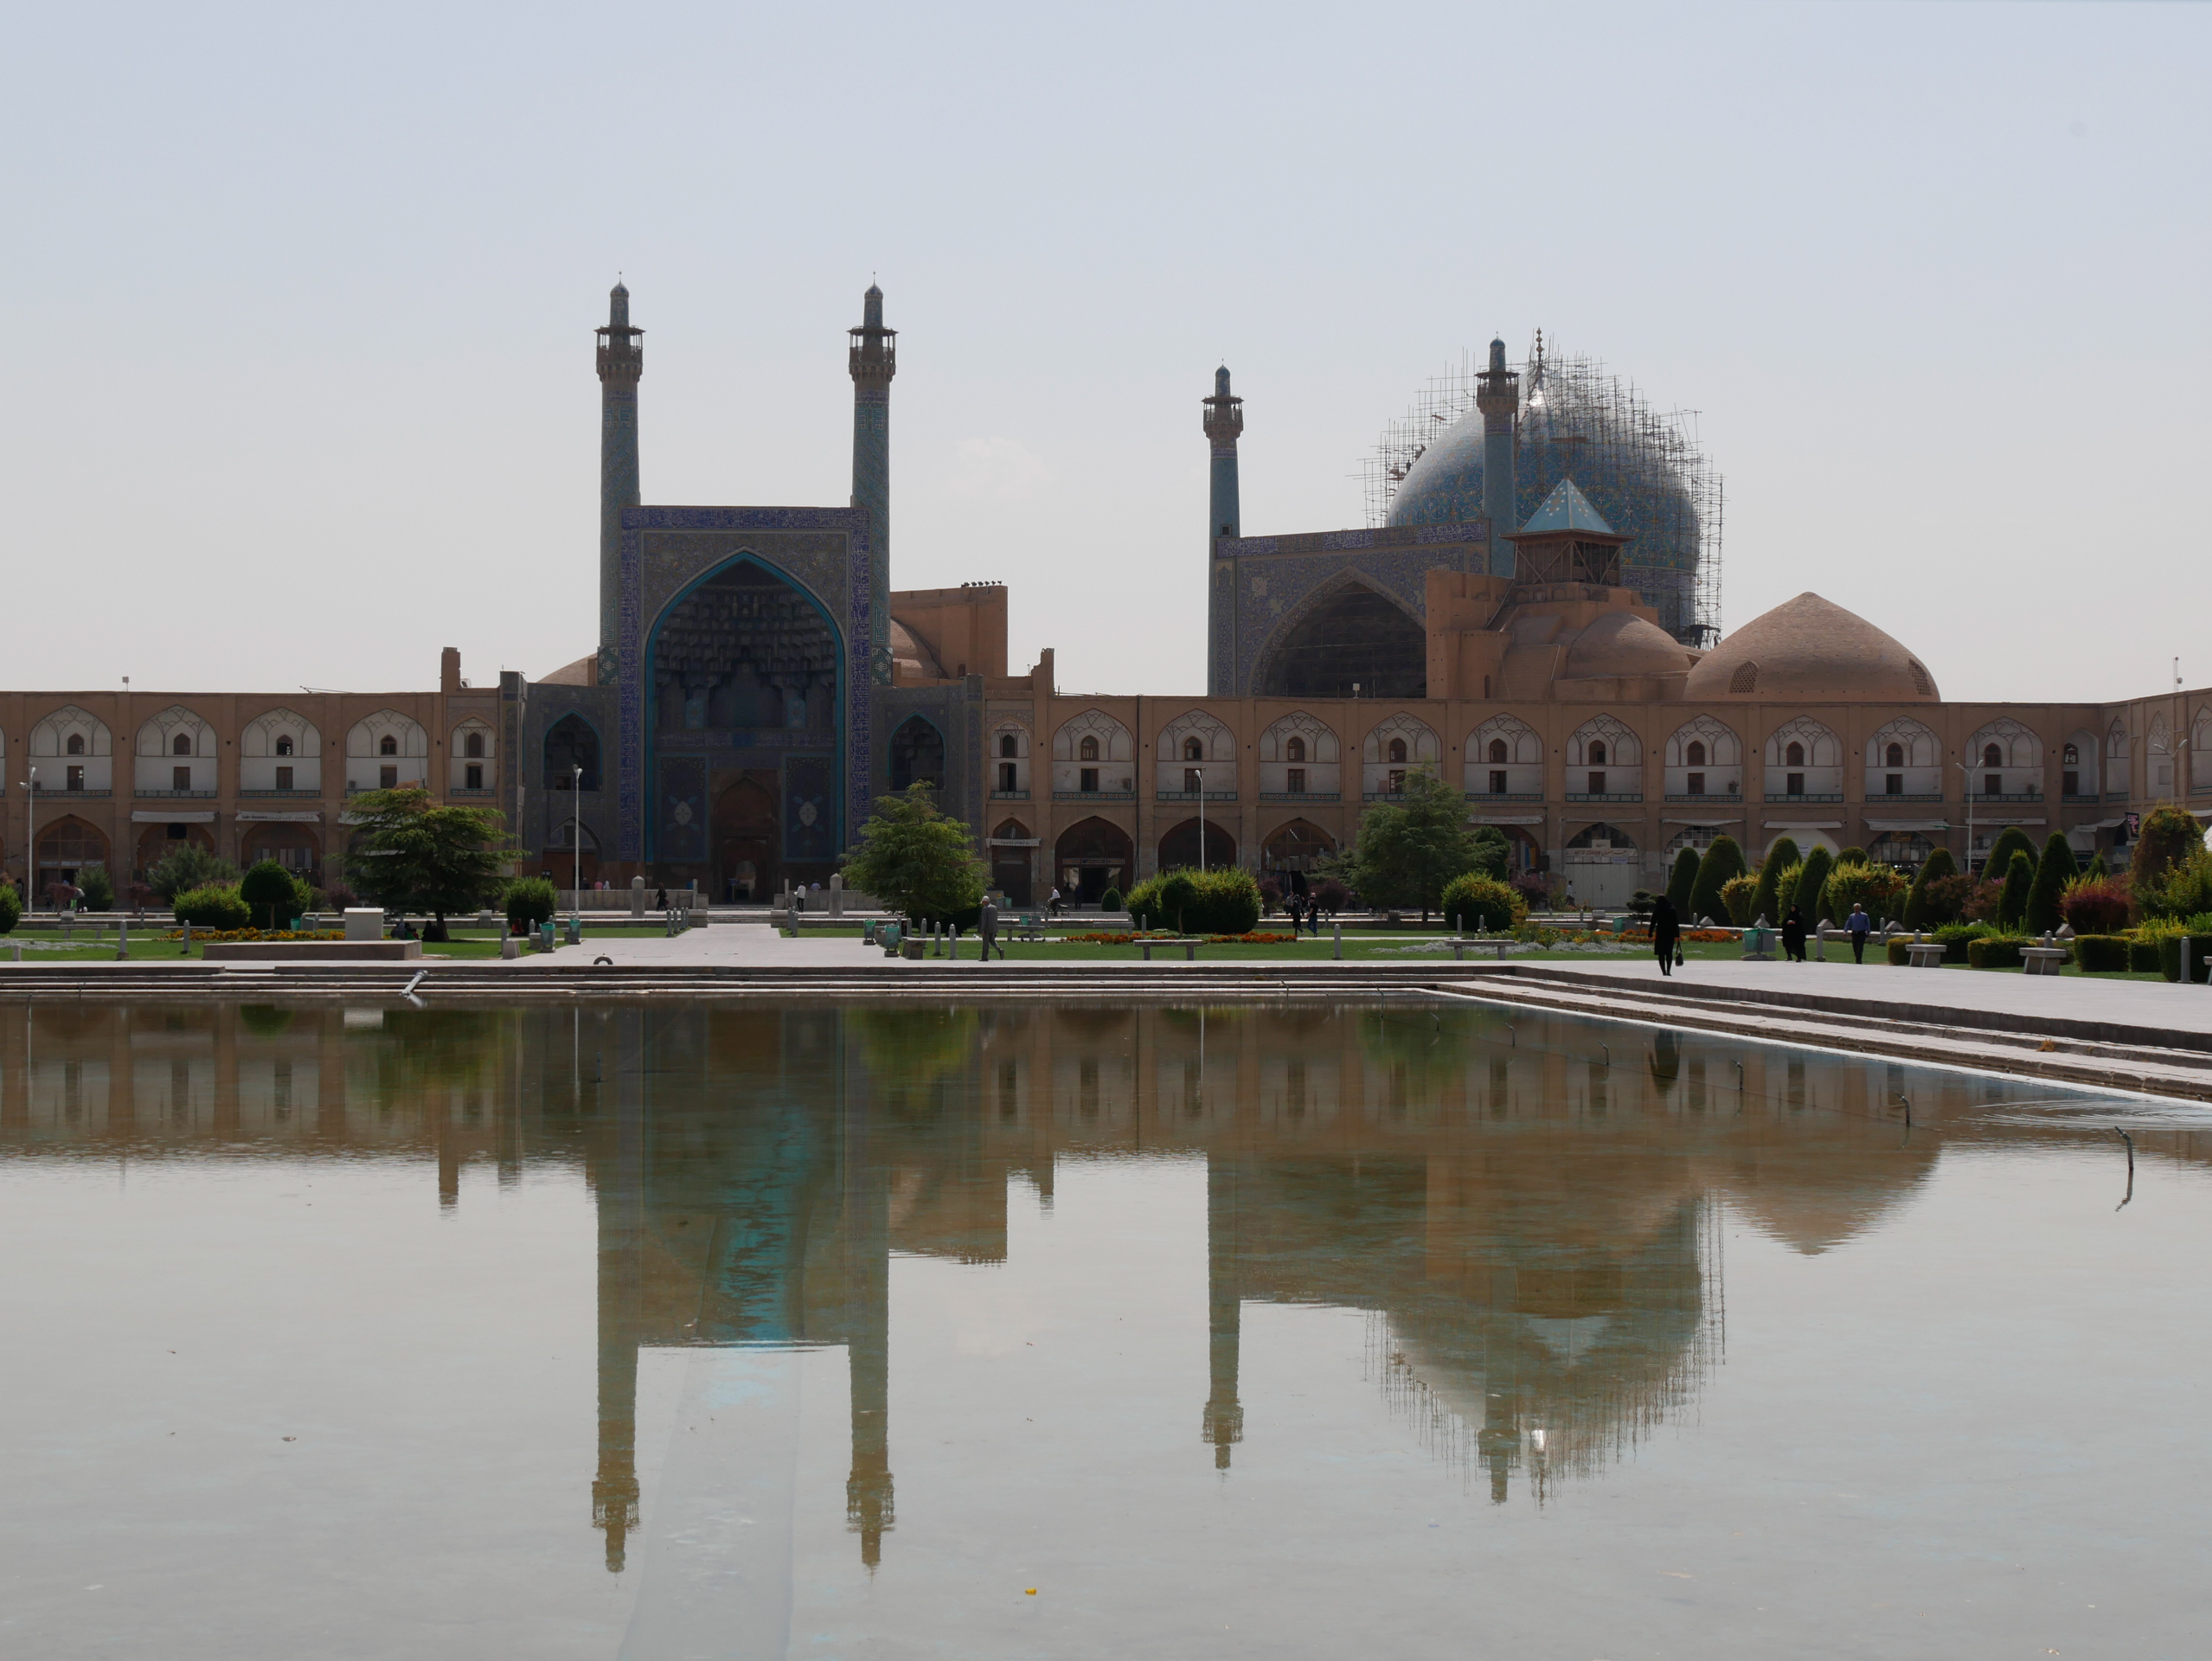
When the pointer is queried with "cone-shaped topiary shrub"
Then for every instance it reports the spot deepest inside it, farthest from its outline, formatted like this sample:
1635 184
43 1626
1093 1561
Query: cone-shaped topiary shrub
2011 840
1683 883
1723 860
1939 865
2053 871
2019 878
1766 900
1812 885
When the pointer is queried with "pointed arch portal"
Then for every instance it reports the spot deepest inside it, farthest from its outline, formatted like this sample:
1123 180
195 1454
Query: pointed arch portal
1353 638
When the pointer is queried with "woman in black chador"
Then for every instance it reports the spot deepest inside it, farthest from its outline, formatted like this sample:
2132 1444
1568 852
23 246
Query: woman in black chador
1794 935
1666 928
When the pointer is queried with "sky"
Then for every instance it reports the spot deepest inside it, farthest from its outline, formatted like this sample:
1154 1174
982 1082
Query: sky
303 301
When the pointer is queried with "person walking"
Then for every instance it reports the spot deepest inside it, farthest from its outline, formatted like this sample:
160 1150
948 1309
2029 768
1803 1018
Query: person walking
1858 922
1794 935
987 928
1292 910
1666 934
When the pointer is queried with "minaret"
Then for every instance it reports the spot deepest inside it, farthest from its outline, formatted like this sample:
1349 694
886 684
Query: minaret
875 360
621 360
1223 1424
1224 421
1499 397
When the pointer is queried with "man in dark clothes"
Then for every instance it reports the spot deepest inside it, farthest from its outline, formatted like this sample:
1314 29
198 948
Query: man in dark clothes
987 926
1666 930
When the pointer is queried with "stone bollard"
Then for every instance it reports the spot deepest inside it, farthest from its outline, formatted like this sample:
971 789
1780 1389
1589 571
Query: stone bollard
122 939
637 898
837 894
1336 933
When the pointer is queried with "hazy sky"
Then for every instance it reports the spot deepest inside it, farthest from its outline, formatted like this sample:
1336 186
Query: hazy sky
303 299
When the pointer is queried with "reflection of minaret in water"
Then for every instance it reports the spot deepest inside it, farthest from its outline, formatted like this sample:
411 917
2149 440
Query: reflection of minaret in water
621 1225
1224 1415
867 1342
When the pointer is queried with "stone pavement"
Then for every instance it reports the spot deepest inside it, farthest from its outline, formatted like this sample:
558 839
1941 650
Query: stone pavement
721 944
2126 1003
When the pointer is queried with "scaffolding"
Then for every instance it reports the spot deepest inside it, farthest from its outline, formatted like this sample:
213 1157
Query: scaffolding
1643 469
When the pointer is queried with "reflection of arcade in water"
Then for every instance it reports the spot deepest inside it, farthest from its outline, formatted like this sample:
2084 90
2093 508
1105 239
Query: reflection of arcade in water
1529 1220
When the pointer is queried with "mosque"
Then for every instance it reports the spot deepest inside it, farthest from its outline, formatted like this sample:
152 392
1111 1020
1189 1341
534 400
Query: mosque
1533 615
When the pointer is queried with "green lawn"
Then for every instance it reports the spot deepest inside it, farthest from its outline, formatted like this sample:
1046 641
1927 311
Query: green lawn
148 946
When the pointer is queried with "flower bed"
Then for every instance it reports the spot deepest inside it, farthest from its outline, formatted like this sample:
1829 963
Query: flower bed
227 935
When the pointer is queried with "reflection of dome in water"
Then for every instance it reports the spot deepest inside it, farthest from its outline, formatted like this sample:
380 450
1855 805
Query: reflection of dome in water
1810 648
1636 466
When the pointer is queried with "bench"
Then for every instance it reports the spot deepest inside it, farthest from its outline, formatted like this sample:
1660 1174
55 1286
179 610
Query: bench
1925 954
1027 926
1460 948
1190 948
2043 960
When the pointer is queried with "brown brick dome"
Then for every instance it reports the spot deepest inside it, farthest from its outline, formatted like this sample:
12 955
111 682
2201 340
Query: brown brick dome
1624 644
1810 649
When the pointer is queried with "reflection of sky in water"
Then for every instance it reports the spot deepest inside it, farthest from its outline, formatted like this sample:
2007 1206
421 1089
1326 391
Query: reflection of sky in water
1334 1324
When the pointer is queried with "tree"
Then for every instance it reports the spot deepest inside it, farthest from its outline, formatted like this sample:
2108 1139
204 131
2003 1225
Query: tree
915 860
1736 899
1723 860
212 908
1879 888
532 900
99 887
1493 853
2053 871
1812 884
269 890
2168 834
2010 841
2019 878
1409 849
11 908
1683 883
1852 857
411 855
1766 899
1938 866
188 865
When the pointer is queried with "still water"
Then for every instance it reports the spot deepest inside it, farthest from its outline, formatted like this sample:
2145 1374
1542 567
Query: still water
711 1329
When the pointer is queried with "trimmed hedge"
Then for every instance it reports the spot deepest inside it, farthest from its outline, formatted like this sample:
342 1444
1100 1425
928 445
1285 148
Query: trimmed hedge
1199 902
213 907
2102 954
2142 956
1484 902
1957 936
1899 957
1110 901
1997 950
531 900
2200 956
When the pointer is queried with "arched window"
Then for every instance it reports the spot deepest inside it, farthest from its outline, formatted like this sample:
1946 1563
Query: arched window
1794 756
181 745
1295 750
284 744
473 745
2071 755
1598 753
1894 756
1088 749
1193 750
76 743
1006 744
1397 749
1694 755
1992 756
1498 751
388 745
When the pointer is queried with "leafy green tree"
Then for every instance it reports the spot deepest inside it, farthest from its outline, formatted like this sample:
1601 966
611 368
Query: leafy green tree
2168 834
1683 884
409 853
1736 900
1724 861
1812 885
2053 871
531 900
1852 857
1493 853
1766 899
1938 866
99 887
11 908
2011 840
1228 903
188 865
915 860
1878 888
2019 878
1409 849
268 888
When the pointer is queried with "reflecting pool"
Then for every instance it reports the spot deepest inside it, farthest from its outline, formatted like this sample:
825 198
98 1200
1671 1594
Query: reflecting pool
763 1328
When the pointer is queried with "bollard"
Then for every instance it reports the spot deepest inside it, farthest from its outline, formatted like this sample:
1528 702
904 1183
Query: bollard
1459 950
1146 946
955 952
188 938
1190 951
1336 933
122 939
2184 959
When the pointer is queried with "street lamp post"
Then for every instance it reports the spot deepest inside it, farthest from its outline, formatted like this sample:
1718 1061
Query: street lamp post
30 839
1966 787
1201 772
576 840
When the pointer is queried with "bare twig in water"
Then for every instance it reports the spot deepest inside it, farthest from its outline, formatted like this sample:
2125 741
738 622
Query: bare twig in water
2130 1141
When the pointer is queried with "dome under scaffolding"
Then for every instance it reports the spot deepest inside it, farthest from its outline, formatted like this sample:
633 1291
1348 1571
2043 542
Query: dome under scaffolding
1641 467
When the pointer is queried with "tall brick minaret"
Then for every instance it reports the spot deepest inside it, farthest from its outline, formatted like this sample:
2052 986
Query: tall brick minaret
1224 424
1498 397
874 359
621 360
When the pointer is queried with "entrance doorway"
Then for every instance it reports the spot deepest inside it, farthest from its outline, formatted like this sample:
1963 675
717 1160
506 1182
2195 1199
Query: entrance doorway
748 849
1009 866
1179 847
65 848
1092 856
